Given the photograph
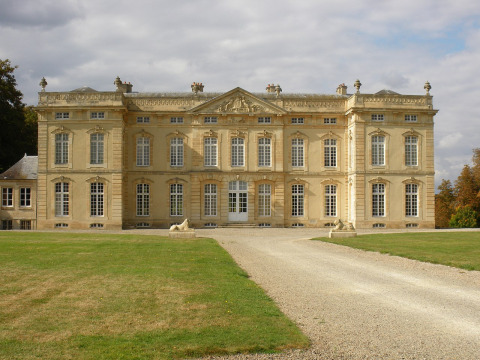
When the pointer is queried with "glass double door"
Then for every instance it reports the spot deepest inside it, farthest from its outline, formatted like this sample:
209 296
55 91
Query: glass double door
237 201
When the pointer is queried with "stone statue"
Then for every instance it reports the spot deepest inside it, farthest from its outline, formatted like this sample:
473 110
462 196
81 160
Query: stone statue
182 227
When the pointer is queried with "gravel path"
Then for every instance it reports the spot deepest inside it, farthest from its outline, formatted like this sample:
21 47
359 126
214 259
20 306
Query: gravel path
359 305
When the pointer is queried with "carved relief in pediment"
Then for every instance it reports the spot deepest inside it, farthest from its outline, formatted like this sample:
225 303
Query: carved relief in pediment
239 104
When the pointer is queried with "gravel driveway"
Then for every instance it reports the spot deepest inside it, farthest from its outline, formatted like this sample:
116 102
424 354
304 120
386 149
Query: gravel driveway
359 305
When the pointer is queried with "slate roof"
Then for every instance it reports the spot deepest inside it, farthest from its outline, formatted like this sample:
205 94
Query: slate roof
25 169
386 92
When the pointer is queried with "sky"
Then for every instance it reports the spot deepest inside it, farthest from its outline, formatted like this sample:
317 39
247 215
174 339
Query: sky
306 46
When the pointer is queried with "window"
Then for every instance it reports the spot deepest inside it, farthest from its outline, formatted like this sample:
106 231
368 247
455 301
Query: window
62 199
96 199
297 153
210 200
330 200
143 151
143 119
330 121
142 225
264 199
7 197
265 120
378 200
25 197
330 152
411 151
61 148
62 115
411 225
377 117
378 150
176 199
411 200
411 118
238 152
210 120
176 152
7 224
61 225
96 149
210 151
297 200
264 152
299 120
176 120
25 224
379 226
143 199
97 115
96 226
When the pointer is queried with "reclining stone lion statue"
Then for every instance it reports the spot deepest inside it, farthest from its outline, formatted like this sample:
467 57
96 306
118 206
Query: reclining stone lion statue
339 225
182 227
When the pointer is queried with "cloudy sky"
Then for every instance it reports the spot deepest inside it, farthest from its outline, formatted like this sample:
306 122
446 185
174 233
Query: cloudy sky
306 46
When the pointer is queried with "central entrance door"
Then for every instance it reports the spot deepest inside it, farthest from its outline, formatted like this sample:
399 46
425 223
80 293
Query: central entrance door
237 201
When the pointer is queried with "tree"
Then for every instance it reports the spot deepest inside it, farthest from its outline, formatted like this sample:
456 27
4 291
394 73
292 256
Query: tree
444 204
465 217
466 190
17 133
476 166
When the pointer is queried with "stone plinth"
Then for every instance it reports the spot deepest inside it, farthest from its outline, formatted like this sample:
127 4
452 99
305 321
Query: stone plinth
182 234
341 234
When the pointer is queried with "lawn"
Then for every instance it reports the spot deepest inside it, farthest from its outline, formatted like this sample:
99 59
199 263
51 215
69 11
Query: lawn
458 249
104 296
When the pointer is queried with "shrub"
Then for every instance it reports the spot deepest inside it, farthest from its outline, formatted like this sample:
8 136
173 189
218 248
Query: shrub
464 217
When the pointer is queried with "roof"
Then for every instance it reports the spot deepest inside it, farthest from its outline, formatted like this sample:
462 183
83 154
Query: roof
84 89
386 92
25 169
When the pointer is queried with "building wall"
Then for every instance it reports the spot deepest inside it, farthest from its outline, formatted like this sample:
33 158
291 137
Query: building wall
14 214
240 115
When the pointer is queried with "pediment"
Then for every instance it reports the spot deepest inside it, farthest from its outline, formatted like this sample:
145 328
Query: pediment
237 101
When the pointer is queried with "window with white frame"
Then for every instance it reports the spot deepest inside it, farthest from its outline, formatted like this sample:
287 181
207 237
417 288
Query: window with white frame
264 199
378 150
297 152
210 151
176 199
330 152
210 199
264 152
25 197
97 115
238 152
143 151
96 199
329 121
411 151
210 119
410 118
143 119
62 199
7 197
297 200
264 120
330 200
62 115
176 152
378 117
143 199
96 148
298 120
61 148
176 120
411 200
378 199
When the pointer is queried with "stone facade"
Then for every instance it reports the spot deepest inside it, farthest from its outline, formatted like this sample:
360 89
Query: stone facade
121 159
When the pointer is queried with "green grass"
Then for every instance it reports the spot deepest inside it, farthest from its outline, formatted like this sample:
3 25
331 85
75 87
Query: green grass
103 296
458 249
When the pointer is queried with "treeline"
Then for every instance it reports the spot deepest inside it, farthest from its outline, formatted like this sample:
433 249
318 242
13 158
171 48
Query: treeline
18 122
458 206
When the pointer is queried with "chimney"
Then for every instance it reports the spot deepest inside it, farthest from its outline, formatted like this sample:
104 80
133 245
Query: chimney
123 87
342 89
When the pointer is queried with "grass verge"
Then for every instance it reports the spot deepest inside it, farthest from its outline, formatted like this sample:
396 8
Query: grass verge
457 249
103 296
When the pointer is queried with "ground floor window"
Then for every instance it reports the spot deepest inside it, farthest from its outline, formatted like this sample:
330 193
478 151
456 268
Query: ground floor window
62 199
330 200
411 200
96 199
143 199
176 200
378 200
210 200
7 224
264 199
25 224
297 200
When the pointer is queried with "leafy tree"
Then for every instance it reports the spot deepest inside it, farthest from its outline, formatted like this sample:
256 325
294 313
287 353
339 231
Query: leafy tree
16 135
476 166
444 202
466 189
465 217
